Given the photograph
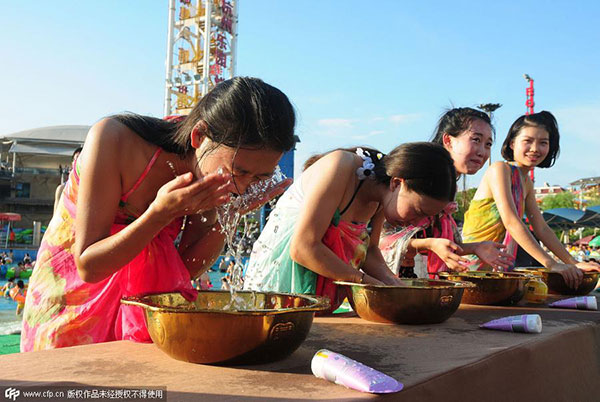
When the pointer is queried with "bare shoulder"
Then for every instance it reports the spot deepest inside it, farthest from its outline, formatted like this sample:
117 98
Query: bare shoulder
499 167
331 174
498 170
342 162
109 131
111 141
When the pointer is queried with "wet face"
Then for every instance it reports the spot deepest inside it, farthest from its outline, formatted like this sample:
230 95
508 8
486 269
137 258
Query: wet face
246 166
530 146
471 148
405 207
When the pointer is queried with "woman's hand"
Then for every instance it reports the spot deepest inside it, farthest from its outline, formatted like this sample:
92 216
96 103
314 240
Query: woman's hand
570 273
447 250
186 195
369 280
588 266
491 253
393 281
276 191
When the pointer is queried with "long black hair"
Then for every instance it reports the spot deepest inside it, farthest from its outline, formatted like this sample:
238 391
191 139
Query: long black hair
242 112
426 168
543 119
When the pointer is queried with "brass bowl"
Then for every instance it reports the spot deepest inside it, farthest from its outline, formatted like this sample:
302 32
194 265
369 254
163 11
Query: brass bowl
491 288
556 283
269 328
421 301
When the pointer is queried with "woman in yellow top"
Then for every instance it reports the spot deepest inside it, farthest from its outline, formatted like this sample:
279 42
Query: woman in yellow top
506 192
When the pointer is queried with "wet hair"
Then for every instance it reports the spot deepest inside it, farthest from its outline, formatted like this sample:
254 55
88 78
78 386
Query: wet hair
20 284
457 120
543 120
242 112
427 168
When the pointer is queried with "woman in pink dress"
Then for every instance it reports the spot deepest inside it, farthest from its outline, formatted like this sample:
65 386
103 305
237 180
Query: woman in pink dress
136 183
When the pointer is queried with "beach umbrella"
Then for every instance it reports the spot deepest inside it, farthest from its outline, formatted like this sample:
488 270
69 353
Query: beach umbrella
9 216
557 221
595 208
570 218
595 242
584 240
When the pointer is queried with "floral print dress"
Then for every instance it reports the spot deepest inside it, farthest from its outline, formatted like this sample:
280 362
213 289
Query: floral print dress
63 310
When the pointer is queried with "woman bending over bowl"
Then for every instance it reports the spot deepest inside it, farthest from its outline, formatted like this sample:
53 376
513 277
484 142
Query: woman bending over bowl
318 232
114 229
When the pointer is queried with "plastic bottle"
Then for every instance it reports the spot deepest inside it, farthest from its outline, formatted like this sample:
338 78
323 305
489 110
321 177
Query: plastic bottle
580 303
536 291
529 323
344 371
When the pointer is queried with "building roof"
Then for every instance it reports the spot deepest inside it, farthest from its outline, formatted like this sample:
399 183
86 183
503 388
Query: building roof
53 140
588 180
59 134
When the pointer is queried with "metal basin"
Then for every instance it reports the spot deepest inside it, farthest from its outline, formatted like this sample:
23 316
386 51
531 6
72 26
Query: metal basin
491 288
556 283
421 301
269 328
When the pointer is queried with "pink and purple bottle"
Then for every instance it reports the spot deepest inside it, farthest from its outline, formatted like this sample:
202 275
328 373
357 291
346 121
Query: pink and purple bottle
344 371
579 303
529 323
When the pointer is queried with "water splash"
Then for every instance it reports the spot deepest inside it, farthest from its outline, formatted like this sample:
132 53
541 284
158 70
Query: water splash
232 222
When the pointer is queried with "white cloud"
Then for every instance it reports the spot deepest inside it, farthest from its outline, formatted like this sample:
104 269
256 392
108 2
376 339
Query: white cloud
404 118
368 135
336 123
336 127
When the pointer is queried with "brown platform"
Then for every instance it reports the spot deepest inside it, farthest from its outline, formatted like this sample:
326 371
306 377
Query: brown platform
453 361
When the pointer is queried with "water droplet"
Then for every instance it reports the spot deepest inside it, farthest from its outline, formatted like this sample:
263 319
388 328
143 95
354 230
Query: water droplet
230 218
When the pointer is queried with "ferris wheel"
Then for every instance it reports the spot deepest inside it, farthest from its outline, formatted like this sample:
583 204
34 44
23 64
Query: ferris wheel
201 50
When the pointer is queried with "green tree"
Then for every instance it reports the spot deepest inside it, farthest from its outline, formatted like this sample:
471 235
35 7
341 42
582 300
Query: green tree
463 199
560 200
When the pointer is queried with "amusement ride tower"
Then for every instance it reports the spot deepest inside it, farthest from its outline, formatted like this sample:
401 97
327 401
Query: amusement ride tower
530 104
201 50
529 93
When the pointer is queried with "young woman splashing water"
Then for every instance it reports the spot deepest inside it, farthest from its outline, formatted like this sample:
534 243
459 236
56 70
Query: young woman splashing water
506 192
317 232
135 181
467 135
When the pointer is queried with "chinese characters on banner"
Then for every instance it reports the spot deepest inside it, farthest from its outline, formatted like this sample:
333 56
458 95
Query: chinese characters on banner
189 79
221 48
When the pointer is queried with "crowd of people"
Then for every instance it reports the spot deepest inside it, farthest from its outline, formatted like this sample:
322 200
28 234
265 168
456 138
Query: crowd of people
15 287
584 252
355 214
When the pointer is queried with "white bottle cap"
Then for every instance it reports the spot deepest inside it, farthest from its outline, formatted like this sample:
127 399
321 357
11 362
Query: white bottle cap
534 323
592 303
318 361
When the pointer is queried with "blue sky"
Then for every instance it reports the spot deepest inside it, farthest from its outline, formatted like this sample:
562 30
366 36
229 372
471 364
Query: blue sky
359 73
